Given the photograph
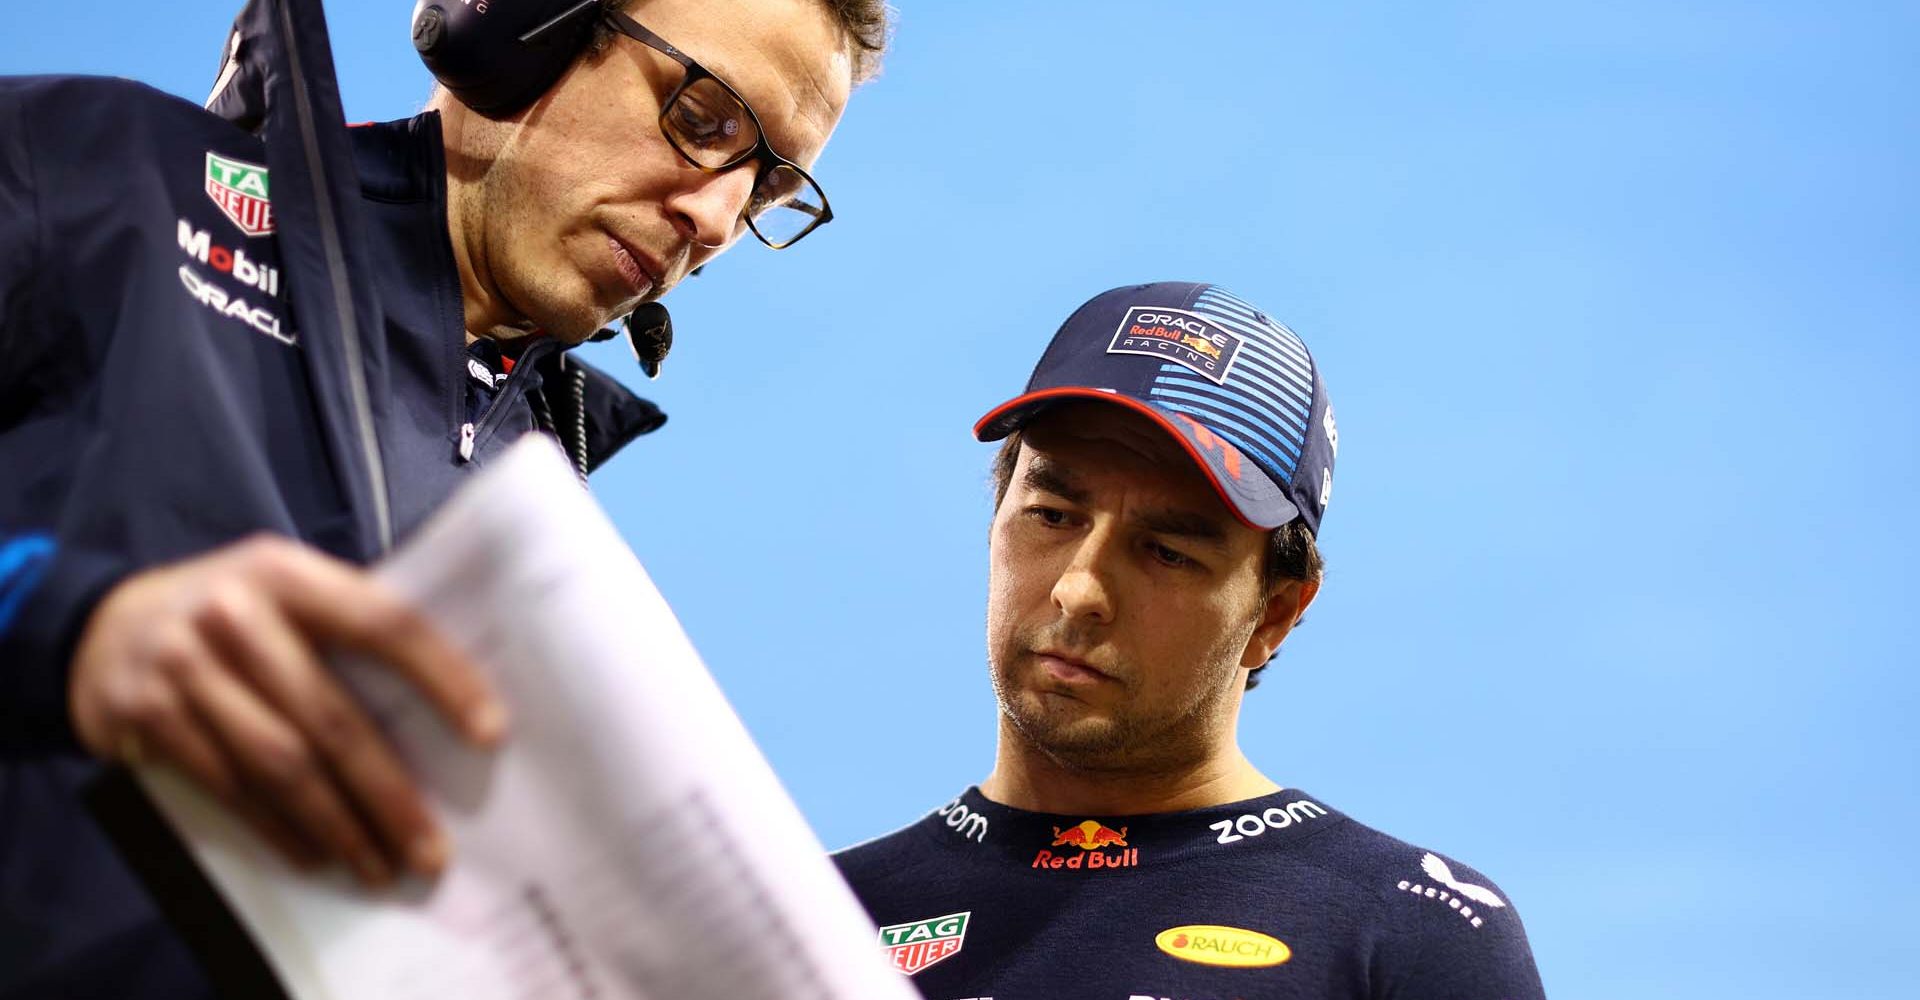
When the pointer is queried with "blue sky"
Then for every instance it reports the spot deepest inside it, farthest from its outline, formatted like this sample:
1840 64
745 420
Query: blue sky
1616 303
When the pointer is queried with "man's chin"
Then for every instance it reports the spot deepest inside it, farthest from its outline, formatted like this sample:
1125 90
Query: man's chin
1066 727
572 314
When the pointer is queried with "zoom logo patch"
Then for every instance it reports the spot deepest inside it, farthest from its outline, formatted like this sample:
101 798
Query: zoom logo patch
1232 831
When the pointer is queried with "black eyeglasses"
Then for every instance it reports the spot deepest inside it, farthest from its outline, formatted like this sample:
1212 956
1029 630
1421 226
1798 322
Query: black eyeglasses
710 125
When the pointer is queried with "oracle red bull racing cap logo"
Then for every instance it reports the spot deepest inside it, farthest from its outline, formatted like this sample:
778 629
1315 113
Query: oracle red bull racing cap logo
1092 837
1179 336
240 189
916 944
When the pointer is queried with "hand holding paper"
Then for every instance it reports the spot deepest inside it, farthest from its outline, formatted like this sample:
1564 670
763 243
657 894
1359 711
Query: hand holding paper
629 841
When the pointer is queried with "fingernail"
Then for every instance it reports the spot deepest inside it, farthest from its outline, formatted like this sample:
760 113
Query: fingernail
488 723
429 853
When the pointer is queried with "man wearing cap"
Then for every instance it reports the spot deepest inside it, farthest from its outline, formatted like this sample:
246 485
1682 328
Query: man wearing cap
1157 496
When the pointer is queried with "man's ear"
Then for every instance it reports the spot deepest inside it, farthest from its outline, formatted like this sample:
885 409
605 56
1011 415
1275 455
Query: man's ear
1278 616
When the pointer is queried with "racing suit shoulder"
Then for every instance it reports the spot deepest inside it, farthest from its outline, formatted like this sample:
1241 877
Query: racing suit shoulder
86 163
1447 929
910 856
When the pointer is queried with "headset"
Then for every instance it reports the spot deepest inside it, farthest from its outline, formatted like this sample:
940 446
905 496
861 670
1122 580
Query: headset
497 57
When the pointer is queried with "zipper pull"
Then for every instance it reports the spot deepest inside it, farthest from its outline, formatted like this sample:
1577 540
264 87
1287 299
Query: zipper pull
466 442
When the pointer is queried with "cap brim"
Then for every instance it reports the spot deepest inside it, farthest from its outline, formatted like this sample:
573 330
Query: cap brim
1253 497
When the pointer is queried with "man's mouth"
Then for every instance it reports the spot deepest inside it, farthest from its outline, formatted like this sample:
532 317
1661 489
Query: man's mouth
640 274
1070 669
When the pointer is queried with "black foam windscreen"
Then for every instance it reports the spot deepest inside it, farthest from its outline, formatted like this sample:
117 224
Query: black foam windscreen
650 334
498 56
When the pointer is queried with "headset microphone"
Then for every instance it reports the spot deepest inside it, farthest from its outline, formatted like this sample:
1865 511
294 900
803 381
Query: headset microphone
498 56
650 333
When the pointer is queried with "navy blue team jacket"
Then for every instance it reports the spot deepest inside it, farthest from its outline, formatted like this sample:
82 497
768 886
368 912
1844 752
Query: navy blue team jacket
1274 898
174 375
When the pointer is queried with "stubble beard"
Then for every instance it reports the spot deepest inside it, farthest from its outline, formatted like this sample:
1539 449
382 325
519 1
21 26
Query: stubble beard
544 295
1081 737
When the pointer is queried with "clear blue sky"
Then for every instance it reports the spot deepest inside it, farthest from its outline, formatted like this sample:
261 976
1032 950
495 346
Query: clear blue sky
1616 303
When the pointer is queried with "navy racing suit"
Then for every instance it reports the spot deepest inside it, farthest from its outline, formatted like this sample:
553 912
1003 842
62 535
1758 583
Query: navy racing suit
1272 898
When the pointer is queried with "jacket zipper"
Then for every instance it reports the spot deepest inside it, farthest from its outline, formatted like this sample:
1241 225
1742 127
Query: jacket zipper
471 432
336 262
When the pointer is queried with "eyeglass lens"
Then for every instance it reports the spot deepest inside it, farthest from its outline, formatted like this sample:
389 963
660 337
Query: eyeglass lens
710 125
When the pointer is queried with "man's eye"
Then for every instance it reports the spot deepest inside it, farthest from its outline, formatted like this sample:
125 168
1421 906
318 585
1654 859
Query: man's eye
1169 556
1048 516
697 125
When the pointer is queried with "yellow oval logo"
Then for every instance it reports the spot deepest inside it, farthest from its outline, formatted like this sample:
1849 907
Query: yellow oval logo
1208 944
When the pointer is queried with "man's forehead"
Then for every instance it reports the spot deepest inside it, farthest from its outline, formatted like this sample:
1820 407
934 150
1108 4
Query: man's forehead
1079 441
787 58
1093 423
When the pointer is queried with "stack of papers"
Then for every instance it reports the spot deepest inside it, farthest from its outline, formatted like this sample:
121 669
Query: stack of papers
628 841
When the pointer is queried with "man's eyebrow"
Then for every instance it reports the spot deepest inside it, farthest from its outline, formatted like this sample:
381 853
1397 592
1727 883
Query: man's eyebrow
1185 524
1051 477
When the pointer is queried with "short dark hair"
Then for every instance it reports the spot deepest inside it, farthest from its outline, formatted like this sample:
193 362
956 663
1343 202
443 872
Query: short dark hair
1291 552
866 24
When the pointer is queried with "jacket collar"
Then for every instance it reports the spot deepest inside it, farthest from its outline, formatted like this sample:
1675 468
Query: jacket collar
403 162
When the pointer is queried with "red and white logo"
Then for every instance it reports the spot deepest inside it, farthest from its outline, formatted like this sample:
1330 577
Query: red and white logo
916 944
199 244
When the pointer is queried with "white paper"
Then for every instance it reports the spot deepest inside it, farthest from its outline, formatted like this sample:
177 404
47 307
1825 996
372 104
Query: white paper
628 841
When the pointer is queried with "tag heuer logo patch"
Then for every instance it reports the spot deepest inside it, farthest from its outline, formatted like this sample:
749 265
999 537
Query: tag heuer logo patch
240 189
914 946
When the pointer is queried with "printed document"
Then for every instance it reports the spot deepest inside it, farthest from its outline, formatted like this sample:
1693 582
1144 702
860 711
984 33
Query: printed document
628 840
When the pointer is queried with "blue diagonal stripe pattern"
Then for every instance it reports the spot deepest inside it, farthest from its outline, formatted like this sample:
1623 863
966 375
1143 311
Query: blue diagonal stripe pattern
22 559
1264 403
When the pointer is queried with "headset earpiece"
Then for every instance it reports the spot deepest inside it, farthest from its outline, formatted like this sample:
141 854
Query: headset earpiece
498 56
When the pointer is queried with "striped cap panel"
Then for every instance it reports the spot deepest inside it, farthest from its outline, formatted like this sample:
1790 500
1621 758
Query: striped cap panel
1266 399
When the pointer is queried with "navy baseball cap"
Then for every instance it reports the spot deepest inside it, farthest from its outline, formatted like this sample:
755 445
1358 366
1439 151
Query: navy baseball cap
1235 387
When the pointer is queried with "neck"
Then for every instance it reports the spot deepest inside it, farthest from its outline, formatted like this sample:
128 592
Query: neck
469 142
1027 777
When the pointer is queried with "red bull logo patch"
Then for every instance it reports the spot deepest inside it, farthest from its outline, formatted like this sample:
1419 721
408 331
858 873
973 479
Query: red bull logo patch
1092 837
916 944
1179 336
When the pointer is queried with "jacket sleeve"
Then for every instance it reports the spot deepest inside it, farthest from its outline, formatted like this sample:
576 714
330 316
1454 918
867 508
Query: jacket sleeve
46 596
46 592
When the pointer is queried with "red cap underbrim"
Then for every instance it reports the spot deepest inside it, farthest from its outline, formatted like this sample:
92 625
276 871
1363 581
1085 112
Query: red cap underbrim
1255 500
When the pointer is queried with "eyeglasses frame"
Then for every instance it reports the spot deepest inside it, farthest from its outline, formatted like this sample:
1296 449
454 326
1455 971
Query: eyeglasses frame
761 150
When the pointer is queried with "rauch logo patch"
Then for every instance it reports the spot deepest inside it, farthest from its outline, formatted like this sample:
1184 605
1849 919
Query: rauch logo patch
914 945
240 189
1179 336
1235 947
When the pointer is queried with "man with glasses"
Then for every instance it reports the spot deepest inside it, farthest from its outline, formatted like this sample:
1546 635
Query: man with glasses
178 543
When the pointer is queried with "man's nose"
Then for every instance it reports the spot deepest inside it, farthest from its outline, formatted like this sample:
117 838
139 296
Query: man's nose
710 208
1085 588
